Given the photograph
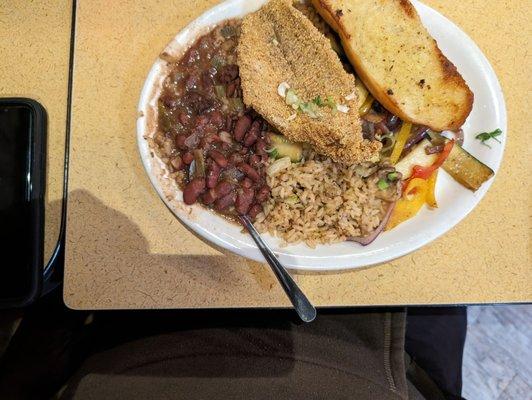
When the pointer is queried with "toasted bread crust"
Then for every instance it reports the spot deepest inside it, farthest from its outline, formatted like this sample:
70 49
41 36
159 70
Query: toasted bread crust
279 44
408 8
417 83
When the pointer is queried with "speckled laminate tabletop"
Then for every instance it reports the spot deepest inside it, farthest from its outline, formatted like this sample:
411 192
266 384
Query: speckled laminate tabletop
126 250
35 49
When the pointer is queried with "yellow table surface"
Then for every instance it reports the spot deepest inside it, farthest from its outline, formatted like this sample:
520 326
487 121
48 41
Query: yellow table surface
126 250
35 49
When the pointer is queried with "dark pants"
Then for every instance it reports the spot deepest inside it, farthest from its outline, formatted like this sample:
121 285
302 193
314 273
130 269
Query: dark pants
221 354
435 340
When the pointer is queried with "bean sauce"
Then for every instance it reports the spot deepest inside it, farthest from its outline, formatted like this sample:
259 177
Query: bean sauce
217 145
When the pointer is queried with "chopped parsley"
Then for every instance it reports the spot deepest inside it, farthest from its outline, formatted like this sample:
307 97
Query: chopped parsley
330 102
310 108
318 101
485 136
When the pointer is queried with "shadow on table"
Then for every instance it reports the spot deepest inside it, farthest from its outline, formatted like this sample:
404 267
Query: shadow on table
112 256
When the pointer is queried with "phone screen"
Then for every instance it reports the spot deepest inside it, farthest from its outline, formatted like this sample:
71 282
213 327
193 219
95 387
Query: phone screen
16 225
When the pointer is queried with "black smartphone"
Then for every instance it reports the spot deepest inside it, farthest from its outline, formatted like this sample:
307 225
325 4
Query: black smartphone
22 187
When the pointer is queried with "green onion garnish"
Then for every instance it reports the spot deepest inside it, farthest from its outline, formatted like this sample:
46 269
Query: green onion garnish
291 97
382 184
293 199
331 103
311 109
273 153
393 176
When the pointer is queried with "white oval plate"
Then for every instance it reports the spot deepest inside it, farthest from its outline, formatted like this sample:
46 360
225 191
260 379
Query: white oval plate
455 202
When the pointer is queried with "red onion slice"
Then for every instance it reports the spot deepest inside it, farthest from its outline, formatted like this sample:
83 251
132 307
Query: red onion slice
458 136
382 126
373 117
417 136
434 149
364 241
193 139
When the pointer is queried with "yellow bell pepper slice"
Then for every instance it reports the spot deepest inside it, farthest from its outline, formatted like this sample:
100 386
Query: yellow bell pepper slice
431 192
364 108
400 142
414 196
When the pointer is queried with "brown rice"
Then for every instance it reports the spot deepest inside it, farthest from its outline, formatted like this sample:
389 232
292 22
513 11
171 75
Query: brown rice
318 201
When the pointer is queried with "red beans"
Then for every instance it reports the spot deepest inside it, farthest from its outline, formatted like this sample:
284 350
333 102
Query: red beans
216 139
244 200
180 142
213 173
231 88
226 146
253 134
193 80
225 202
229 145
201 121
183 118
228 73
246 183
263 193
229 123
192 190
208 197
169 101
219 158
206 80
222 189
255 160
187 157
249 171
260 147
236 158
241 127
254 211
217 119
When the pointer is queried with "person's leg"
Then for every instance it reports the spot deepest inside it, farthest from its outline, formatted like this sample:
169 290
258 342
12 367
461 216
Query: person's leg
247 355
435 340
350 353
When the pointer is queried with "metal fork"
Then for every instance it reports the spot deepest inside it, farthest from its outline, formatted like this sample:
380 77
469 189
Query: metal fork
302 305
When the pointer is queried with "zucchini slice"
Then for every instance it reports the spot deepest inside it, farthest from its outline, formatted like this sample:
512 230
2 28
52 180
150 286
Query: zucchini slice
466 169
282 147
